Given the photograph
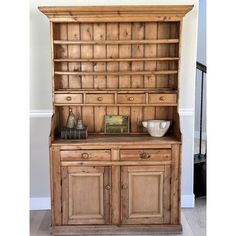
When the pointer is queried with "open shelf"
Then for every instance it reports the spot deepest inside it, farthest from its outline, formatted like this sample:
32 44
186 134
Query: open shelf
164 72
112 90
109 140
99 42
116 59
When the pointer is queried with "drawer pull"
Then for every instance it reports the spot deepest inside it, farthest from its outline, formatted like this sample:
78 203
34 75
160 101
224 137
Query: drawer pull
108 187
144 155
162 98
85 155
131 99
99 99
68 98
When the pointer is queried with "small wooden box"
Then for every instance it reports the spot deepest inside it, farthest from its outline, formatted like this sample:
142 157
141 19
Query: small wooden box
116 125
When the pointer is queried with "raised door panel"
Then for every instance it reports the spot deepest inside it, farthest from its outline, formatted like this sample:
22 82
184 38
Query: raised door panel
145 194
86 195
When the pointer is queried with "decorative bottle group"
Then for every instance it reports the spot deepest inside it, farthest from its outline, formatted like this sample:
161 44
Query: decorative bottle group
73 122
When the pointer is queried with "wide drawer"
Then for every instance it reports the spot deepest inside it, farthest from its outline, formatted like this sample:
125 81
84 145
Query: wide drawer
68 98
86 155
131 98
100 99
145 154
159 98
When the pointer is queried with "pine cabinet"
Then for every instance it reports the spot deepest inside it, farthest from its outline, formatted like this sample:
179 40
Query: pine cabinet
115 60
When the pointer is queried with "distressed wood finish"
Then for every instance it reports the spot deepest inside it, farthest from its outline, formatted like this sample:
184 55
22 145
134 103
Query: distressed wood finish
142 195
56 188
117 60
86 195
116 13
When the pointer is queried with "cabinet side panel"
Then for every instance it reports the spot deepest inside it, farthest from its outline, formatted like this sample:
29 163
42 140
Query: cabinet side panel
65 195
51 185
175 185
56 173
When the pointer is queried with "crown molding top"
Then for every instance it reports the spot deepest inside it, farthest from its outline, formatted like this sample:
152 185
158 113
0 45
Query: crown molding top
89 13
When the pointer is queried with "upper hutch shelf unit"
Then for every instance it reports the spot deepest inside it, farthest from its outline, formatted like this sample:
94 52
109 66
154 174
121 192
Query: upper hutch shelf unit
115 60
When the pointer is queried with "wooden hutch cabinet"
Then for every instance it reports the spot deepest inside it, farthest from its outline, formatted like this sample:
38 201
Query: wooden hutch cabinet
116 60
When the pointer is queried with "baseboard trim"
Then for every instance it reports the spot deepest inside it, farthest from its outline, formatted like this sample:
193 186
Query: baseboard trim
44 203
188 201
40 203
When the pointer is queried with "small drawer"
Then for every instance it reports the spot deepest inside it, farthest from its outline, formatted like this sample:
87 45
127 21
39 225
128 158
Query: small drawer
86 155
131 98
68 98
100 99
162 98
145 154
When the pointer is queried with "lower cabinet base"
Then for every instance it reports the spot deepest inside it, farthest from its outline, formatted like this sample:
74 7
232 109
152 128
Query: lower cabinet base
114 230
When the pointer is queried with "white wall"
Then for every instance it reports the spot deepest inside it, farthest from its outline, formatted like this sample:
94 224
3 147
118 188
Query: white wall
40 94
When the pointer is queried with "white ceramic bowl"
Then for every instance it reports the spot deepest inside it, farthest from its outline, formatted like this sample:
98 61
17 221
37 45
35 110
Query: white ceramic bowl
156 128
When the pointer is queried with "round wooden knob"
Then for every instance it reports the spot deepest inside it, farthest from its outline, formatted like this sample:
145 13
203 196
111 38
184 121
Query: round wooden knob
108 187
162 98
144 155
85 155
99 99
131 99
68 98
148 155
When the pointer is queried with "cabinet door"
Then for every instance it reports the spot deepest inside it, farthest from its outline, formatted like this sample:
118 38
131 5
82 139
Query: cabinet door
86 195
145 194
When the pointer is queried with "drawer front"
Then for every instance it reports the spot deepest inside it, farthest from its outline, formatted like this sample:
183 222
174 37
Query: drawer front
131 98
100 99
162 98
68 98
146 154
86 155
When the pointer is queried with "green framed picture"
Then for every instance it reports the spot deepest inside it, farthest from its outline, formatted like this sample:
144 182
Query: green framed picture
116 125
